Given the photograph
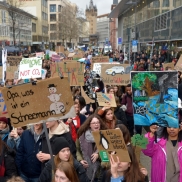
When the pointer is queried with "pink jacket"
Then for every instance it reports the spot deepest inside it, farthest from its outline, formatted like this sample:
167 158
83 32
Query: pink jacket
157 152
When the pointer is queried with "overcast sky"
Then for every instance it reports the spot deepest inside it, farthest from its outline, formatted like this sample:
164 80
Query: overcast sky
103 6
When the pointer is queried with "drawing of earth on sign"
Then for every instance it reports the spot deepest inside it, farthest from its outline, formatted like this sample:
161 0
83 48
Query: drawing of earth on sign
155 98
57 106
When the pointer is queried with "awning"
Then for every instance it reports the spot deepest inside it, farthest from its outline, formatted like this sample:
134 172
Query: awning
123 6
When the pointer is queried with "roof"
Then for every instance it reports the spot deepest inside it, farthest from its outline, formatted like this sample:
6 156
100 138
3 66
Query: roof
121 8
104 15
8 6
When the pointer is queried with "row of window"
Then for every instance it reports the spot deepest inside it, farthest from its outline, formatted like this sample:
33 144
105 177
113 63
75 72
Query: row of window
44 16
54 9
44 3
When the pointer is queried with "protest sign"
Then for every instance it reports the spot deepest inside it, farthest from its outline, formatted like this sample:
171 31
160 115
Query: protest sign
106 99
43 73
116 74
100 59
85 96
70 55
178 66
73 70
168 66
40 54
155 98
30 68
52 53
1 72
47 100
10 71
13 60
59 49
77 56
3 108
111 142
56 58
139 140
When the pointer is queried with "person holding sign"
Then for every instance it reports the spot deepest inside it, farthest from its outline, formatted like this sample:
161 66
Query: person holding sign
4 129
87 152
166 154
126 171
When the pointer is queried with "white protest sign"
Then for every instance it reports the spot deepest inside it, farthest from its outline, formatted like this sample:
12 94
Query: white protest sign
44 72
40 54
30 68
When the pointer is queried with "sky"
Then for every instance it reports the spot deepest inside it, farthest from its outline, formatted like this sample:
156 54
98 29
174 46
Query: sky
103 6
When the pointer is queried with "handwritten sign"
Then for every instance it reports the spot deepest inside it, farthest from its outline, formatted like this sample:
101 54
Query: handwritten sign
56 58
59 49
50 98
116 74
178 66
106 99
168 66
139 140
111 142
44 72
3 108
73 70
13 60
40 54
30 68
10 71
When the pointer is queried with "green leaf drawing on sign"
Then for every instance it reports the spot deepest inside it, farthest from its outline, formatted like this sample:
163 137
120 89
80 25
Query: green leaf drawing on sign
139 140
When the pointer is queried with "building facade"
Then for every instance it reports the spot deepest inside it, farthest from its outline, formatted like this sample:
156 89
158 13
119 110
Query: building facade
148 21
15 26
39 9
103 29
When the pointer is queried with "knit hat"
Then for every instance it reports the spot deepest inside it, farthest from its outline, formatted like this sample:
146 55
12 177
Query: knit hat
58 144
4 119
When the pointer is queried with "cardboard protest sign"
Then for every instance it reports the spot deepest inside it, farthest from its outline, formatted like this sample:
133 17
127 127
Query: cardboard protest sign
56 58
52 53
155 98
40 54
1 72
178 66
43 73
73 70
77 56
10 71
106 99
87 99
3 108
111 142
116 74
168 66
59 49
30 68
13 60
70 55
139 140
47 100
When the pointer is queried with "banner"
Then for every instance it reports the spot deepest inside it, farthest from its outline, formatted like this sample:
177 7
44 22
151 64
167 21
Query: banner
107 100
40 54
13 60
30 68
73 70
11 71
47 100
3 108
116 74
155 98
111 142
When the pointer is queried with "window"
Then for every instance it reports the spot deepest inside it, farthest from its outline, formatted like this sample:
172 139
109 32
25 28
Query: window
52 17
161 22
44 3
165 3
3 16
53 36
52 8
44 30
33 27
59 8
52 27
44 15
156 4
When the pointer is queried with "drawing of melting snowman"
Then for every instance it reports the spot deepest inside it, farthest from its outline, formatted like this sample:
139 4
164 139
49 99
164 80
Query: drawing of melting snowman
58 107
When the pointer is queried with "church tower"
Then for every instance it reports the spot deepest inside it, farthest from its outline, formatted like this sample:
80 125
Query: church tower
91 15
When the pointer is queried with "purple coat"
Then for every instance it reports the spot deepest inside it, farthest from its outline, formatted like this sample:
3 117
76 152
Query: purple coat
157 152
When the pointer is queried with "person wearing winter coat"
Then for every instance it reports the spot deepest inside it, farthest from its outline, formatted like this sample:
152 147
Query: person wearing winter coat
7 162
29 167
166 154
4 129
61 147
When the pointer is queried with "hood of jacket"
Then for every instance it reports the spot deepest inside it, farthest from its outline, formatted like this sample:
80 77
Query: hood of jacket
36 136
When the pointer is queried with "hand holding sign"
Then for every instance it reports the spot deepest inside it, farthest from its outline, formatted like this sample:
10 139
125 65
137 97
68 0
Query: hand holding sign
139 140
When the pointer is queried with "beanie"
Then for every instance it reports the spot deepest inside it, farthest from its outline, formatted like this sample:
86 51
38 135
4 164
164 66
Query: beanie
58 144
4 119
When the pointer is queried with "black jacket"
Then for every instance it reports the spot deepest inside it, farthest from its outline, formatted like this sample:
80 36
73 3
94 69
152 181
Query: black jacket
8 156
120 115
67 136
46 175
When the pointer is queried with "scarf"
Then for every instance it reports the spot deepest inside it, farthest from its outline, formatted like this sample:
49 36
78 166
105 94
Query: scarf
3 133
89 137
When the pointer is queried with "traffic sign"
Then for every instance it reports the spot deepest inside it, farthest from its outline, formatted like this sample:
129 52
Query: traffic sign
119 40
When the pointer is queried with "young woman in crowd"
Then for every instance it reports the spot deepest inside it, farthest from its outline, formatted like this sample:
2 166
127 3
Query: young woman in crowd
7 163
107 115
63 154
117 92
4 129
110 90
87 152
15 137
65 173
126 171
166 154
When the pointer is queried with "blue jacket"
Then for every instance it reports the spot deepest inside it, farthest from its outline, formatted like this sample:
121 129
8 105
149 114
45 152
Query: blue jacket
26 160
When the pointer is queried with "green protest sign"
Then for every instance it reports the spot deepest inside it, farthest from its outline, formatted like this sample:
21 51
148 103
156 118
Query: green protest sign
139 140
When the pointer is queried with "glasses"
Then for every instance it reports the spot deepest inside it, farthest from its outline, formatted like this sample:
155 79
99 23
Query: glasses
95 123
